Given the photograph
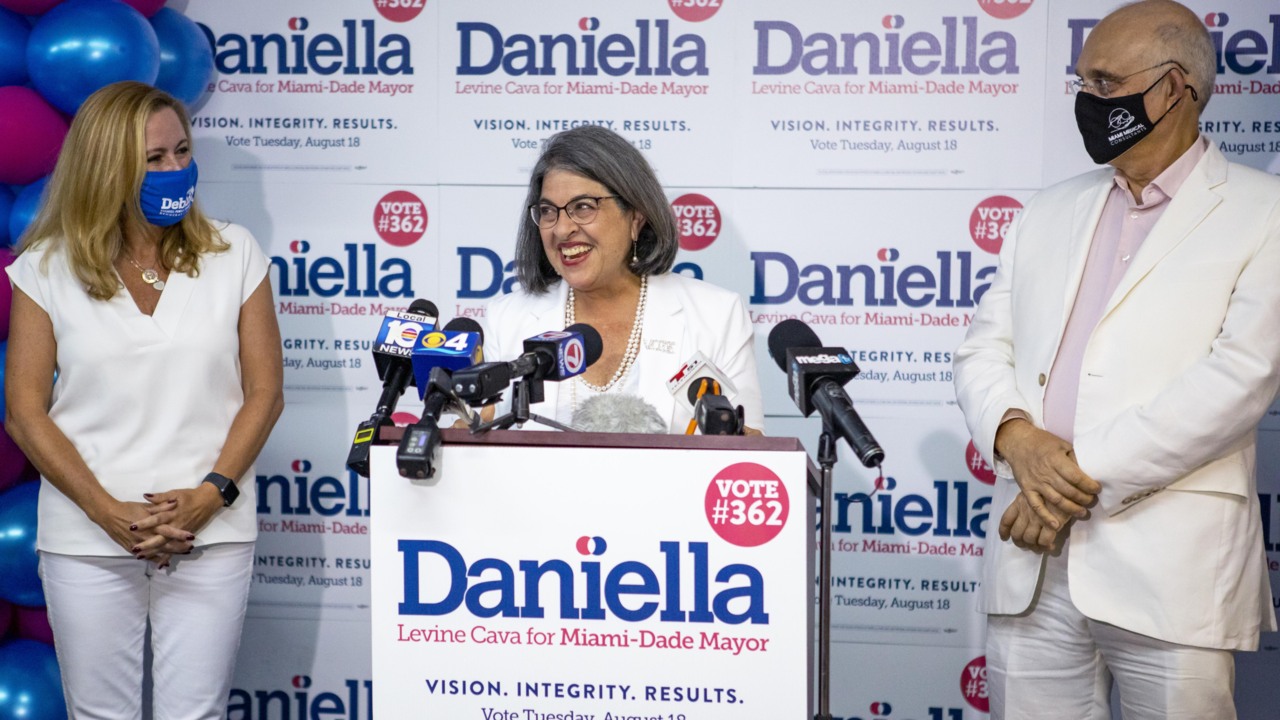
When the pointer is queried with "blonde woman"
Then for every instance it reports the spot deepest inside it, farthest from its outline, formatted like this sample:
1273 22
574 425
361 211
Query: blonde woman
143 377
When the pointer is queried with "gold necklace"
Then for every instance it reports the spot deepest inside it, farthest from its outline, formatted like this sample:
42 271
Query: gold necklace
149 275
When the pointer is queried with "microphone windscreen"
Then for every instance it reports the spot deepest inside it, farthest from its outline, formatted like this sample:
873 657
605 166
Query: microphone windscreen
462 324
790 333
618 413
592 344
424 307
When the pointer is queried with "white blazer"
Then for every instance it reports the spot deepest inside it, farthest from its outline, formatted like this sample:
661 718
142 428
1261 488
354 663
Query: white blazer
1175 377
682 316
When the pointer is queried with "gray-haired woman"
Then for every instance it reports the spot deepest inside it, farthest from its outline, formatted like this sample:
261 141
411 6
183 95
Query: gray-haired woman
596 245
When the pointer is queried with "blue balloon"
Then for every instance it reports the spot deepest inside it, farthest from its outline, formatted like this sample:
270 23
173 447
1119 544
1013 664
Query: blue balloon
25 207
186 57
30 682
7 198
82 45
14 31
18 558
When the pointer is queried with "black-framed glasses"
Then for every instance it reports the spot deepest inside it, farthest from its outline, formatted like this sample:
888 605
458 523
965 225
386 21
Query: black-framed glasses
581 210
1104 87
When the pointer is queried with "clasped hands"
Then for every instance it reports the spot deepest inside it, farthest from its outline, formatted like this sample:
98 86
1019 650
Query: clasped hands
1054 490
164 525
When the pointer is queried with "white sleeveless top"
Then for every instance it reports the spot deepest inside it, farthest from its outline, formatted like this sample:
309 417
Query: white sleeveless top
146 401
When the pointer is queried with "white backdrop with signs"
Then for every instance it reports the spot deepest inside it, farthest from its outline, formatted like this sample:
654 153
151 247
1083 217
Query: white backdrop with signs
853 165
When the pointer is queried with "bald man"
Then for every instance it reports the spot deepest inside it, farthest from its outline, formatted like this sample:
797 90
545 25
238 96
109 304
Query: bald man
1114 374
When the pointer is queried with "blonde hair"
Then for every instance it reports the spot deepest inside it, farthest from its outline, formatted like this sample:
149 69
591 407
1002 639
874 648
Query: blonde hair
93 192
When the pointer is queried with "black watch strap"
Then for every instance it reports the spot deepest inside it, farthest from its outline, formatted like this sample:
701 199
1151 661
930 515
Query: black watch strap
226 487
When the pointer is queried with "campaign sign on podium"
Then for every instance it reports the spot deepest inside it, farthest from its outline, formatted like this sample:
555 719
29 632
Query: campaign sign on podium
531 581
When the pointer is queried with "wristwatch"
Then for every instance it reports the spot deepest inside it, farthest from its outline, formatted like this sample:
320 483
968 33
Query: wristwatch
226 487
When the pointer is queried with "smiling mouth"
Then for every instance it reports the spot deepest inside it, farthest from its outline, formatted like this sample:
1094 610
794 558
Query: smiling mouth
574 251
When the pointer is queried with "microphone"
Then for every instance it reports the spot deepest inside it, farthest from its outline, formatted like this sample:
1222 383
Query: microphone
459 345
556 355
435 357
815 379
715 415
697 378
618 413
392 351
687 384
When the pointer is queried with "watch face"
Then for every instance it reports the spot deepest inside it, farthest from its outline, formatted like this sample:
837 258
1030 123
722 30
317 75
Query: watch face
226 487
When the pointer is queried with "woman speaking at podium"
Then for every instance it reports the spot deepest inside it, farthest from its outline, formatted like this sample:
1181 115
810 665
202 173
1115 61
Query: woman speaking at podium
144 375
596 246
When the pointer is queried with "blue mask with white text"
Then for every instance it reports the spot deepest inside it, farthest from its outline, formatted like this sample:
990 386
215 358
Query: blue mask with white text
167 195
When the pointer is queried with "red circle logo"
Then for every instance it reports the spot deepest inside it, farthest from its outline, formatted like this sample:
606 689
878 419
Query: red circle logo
697 220
399 10
990 220
574 356
403 418
747 504
400 218
978 467
1004 9
695 10
973 684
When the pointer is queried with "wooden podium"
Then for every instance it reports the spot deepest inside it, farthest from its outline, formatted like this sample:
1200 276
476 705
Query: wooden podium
589 575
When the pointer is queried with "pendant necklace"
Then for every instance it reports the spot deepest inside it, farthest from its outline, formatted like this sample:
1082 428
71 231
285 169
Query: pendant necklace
149 275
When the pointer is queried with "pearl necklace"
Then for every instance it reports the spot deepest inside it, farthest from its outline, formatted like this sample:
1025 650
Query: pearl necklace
633 342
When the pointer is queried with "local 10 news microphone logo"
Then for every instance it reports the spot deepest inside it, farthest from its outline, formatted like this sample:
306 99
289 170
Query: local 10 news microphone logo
361 270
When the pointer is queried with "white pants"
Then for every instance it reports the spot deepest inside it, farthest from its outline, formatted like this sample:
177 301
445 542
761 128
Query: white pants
1053 663
99 608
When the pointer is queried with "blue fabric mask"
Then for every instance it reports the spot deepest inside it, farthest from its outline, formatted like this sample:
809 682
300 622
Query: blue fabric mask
167 195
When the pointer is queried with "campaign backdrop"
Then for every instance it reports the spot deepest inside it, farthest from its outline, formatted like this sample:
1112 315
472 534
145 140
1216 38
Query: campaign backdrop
853 165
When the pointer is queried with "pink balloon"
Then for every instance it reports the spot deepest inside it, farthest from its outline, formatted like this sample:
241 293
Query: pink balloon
29 7
32 623
33 133
6 293
146 7
13 464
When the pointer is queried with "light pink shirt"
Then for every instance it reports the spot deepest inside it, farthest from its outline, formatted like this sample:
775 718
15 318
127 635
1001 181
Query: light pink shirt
1123 227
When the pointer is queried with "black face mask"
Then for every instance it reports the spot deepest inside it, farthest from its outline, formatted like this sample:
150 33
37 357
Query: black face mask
1110 126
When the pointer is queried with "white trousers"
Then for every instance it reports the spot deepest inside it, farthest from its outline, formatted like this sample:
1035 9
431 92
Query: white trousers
1053 663
99 608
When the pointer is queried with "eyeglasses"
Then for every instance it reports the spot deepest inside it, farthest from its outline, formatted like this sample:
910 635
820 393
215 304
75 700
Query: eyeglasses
580 210
1104 87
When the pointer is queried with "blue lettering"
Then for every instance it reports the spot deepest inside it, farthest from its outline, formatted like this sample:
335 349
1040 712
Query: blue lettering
782 48
738 586
483 50
358 52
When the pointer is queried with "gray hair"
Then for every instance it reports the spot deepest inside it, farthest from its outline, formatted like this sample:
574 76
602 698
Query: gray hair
606 157
1191 46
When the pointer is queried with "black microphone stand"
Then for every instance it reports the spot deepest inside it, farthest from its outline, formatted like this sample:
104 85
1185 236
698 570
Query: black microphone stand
827 461
523 393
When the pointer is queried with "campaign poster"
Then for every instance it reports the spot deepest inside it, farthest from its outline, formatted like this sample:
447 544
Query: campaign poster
521 582
335 92
917 94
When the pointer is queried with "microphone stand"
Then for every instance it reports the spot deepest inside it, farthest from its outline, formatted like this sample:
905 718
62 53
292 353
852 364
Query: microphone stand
827 461
523 393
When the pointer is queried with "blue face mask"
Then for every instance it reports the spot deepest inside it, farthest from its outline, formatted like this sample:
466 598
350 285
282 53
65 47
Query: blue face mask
167 195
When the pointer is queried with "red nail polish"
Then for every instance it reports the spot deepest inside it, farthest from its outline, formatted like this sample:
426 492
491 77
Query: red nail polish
133 527
147 495
190 537
134 550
